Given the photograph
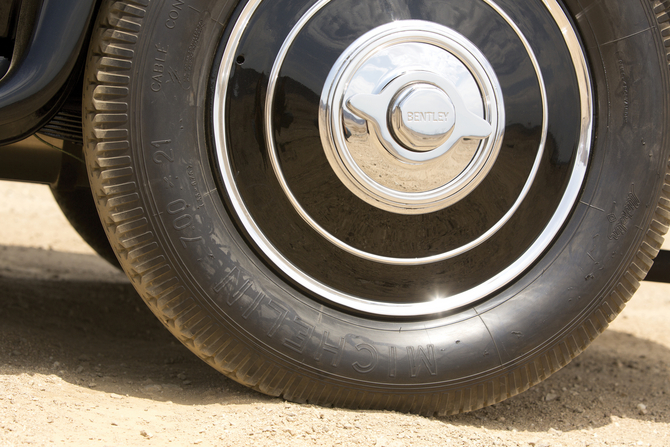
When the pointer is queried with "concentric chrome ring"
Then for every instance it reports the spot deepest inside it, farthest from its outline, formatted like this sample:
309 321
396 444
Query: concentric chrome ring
290 266
346 167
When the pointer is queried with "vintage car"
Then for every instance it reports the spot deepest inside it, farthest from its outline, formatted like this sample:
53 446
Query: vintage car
416 205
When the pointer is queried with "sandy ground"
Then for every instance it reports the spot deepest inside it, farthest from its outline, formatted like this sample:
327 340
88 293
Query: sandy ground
83 362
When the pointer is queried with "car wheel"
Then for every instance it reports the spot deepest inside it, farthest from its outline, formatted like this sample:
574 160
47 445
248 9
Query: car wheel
422 206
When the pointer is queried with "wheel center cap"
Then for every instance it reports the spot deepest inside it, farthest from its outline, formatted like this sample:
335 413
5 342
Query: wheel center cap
411 117
422 117
414 116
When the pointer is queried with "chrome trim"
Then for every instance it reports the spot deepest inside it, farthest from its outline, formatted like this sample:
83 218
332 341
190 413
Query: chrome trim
375 167
376 108
439 304
421 117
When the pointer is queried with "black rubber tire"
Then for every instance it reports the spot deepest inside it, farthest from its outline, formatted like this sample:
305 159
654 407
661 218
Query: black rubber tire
147 145
79 208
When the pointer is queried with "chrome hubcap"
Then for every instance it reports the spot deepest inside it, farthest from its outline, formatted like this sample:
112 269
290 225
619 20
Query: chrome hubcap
412 117
422 116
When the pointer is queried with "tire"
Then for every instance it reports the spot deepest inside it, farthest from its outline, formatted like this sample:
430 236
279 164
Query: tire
79 208
284 186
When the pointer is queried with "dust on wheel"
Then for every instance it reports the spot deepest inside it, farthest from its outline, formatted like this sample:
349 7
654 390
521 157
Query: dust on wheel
424 206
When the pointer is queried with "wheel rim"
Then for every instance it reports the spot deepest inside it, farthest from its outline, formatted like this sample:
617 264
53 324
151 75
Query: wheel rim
427 236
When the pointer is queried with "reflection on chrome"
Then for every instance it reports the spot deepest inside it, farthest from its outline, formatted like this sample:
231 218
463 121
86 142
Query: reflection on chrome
428 116
422 167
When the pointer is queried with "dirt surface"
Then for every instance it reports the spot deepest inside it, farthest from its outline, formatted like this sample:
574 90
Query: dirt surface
83 362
